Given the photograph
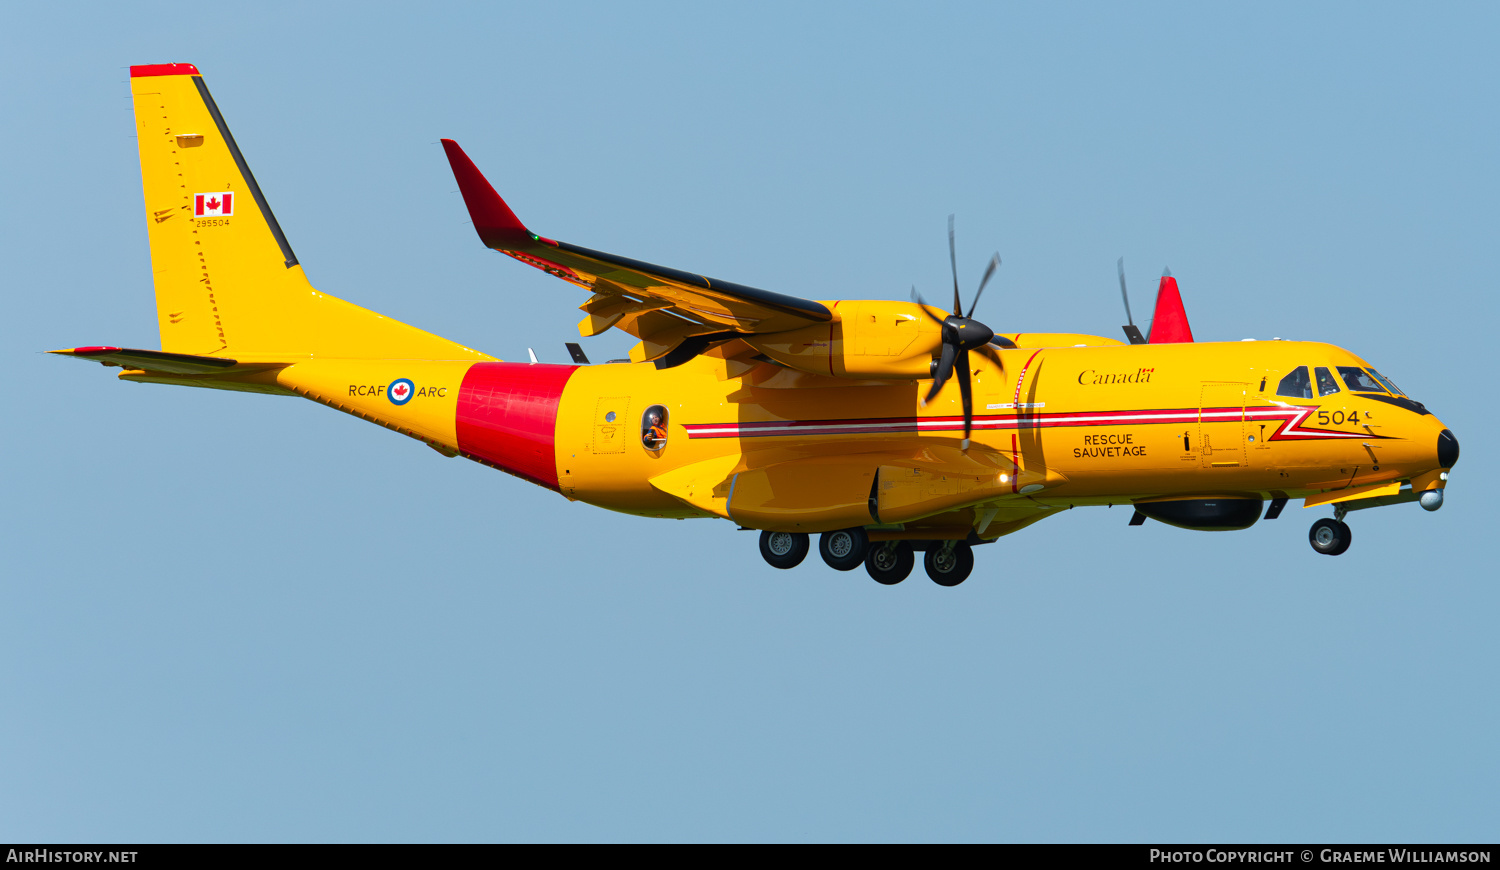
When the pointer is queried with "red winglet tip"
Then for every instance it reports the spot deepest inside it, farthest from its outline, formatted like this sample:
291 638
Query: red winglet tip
1169 324
164 69
89 351
497 225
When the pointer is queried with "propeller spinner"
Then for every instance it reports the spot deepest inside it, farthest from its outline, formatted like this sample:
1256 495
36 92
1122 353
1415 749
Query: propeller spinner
961 334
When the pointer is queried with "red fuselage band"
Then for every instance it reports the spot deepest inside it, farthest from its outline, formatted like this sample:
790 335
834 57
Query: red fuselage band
507 416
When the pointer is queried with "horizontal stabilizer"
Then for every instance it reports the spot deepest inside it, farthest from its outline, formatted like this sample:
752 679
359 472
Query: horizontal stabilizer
152 360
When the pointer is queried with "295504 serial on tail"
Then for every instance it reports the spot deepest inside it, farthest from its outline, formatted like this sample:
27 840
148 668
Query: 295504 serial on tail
883 428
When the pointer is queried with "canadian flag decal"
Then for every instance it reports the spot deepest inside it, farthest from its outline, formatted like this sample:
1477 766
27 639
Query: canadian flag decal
213 204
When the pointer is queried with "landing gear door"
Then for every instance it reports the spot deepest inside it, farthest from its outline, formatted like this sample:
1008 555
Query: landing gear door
612 424
1221 424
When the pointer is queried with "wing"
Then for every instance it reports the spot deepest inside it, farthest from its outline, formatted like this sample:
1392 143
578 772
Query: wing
667 309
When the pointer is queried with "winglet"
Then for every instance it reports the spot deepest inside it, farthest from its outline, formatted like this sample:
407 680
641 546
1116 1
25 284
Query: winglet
1169 324
497 225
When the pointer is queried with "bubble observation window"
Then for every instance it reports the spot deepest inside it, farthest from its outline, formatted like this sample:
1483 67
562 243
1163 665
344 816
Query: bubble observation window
654 427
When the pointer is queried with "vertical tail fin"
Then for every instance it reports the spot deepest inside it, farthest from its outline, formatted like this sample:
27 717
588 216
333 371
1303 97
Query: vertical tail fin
227 281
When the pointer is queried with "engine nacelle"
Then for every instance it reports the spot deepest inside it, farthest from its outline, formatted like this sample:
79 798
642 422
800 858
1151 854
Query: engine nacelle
866 339
1222 514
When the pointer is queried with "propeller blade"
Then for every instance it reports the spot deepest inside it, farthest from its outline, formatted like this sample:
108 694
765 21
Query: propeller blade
989 272
967 392
945 371
958 305
1132 332
917 298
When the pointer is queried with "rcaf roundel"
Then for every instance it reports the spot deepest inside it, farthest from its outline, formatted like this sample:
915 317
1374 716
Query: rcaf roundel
400 391
213 204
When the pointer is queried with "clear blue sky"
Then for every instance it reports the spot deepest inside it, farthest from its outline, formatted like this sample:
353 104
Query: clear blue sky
231 617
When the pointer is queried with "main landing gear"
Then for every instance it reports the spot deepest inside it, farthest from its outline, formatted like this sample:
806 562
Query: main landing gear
844 550
890 561
948 563
783 549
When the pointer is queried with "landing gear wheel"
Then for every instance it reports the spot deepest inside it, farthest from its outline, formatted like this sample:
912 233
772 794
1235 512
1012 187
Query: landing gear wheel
889 562
1330 537
844 550
949 566
783 549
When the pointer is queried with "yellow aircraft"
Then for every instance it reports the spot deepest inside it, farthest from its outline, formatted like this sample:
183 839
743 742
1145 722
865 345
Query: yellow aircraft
786 415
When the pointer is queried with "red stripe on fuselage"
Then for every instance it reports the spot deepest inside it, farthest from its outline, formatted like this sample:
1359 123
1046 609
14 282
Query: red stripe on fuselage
507 416
1288 417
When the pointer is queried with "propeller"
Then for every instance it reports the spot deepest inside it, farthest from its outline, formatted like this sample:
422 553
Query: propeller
1132 332
961 334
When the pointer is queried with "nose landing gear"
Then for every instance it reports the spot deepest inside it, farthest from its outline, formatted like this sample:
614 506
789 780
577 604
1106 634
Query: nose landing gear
1330 536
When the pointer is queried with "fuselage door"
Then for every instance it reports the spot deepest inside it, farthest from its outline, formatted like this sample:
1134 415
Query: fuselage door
612 424
1221 424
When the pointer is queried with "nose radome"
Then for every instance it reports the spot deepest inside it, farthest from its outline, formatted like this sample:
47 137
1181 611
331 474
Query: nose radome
1447 449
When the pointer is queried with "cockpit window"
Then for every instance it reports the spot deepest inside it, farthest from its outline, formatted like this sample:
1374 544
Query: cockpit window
1327 386
1386 382
1359 380
1296 385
